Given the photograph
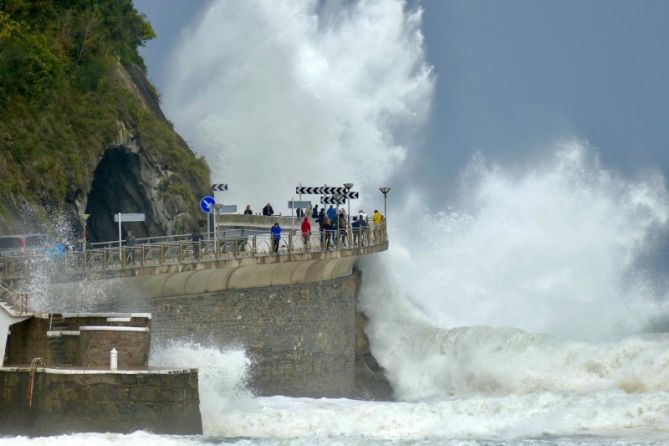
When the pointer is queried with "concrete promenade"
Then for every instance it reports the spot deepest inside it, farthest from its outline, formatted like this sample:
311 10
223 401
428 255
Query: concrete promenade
243 256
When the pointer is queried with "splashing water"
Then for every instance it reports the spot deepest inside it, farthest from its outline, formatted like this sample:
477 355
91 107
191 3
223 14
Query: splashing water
554 249
222 376
289 92
276 93
281 93
229 409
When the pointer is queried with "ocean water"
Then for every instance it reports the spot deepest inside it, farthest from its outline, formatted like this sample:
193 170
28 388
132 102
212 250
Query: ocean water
524 320
529 310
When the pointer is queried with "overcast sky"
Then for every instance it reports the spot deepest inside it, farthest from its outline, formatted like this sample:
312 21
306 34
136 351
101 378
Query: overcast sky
514 77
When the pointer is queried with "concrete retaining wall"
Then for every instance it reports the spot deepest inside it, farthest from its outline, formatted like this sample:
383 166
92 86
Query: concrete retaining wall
164 402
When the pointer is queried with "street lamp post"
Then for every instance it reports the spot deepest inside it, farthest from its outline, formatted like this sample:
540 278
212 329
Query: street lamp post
384 190
217 210
348 187
85 218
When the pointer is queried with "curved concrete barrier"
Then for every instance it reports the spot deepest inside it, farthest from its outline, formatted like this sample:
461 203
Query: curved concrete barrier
187 283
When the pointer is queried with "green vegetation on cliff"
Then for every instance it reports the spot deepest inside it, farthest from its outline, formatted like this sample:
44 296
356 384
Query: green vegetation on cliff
65 95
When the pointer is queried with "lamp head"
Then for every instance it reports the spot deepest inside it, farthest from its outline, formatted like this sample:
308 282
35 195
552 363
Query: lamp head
348 185
384 190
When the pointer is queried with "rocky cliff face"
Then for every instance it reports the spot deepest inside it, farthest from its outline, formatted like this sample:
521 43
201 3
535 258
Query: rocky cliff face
81 130
135 171
130 177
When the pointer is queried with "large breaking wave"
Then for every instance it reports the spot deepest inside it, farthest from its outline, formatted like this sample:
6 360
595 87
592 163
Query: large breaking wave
526 303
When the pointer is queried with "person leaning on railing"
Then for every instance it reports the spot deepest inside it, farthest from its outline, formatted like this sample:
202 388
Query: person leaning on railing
326 229
196 238
276 237
341 226
268 210
130 244
355 228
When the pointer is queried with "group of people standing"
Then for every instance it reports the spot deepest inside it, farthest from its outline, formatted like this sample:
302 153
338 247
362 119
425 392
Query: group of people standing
332 225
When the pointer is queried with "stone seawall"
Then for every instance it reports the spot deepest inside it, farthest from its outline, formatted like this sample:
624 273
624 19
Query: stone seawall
301 339
304 339
65 401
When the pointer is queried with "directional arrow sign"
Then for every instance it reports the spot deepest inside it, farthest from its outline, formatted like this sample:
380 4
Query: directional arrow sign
333 200
321 190
351 195
207 204
219 187
307 190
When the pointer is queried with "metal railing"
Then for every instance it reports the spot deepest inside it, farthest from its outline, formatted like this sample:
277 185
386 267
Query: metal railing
17 300
180 249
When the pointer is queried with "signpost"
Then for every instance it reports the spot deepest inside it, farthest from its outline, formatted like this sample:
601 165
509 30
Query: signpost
337 199
292 204
321 190
120 218
299 204
220 187
339 195
207 205
327 190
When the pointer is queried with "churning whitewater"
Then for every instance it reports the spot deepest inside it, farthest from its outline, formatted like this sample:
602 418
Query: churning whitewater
523 309
523 313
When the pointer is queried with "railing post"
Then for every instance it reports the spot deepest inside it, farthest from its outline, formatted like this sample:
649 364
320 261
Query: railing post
143 255
217 245
255 245
236 246
124 254
180 256
290 241
161 247
104 259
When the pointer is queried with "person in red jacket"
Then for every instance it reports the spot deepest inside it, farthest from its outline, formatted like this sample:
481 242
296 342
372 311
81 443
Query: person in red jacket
306 231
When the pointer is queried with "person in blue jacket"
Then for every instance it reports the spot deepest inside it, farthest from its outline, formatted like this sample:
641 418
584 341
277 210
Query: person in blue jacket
332 213
276 237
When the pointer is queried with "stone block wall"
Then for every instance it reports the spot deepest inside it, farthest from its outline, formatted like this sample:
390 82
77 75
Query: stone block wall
56 339
27 340
132 344
164 402
301 338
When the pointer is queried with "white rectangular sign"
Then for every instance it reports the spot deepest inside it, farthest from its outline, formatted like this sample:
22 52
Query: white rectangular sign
228 209
299 204
129 217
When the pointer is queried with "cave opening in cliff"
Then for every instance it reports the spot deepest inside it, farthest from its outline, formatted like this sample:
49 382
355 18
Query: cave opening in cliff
117 187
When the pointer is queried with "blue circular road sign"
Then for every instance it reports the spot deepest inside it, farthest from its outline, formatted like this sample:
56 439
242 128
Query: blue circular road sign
207 204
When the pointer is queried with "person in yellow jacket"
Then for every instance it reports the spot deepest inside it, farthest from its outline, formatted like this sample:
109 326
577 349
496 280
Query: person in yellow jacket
377 217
